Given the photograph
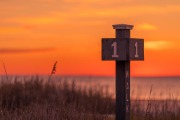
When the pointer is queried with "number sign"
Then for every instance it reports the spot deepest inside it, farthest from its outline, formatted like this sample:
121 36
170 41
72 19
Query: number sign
113 49
122 49
136 45
136 49
114 45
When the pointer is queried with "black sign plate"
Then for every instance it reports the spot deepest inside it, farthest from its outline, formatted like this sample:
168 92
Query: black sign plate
122 49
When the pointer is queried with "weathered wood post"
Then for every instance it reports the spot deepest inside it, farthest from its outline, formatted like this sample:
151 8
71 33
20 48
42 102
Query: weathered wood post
122 49
122 78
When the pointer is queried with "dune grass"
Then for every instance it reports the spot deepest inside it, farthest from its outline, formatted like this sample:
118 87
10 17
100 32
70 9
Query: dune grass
35 99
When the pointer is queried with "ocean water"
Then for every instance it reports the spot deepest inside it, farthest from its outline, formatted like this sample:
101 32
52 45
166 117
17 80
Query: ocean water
162 87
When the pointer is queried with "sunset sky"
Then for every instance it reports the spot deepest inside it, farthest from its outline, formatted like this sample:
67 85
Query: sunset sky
36 33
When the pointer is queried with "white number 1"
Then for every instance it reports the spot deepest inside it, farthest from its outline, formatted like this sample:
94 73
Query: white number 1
115 50
136 54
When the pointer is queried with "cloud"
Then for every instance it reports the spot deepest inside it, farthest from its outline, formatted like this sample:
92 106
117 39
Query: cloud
39 20
60 12
158 45
33 20
12 30
15 50
146 26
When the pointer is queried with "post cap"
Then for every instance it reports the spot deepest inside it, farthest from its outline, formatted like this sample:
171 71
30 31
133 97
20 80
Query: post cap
122 26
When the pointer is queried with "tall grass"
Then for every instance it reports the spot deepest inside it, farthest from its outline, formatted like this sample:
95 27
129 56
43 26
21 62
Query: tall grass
34 99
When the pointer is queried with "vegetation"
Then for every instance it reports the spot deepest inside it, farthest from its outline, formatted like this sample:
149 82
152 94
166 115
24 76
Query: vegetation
35 99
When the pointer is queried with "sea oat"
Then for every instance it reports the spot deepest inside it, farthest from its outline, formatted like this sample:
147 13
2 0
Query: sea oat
5 69
53 71
54 68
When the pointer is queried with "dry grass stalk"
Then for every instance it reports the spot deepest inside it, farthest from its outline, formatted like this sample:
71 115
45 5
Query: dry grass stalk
54 68
53 71
5 69
148 114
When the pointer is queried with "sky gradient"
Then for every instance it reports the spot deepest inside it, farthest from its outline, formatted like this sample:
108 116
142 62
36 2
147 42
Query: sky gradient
36 33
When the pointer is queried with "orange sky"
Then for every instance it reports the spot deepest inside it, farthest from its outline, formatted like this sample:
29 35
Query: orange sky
36 33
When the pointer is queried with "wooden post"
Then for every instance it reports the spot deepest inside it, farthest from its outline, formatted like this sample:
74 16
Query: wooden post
122 49
123 78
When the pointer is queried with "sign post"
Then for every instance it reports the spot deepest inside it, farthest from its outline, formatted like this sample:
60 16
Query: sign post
122 49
